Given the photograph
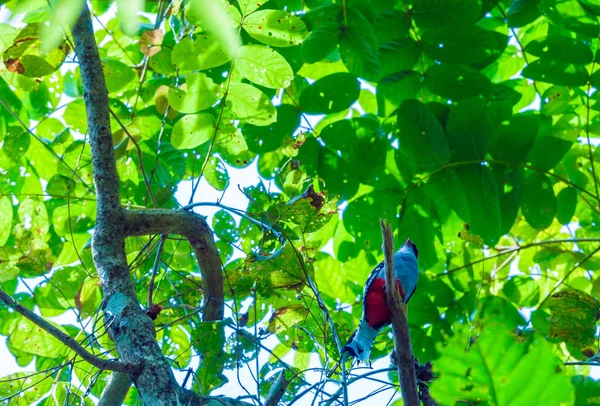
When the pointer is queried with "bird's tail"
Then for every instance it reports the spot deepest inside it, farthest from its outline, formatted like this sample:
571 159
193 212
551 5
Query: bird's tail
360 343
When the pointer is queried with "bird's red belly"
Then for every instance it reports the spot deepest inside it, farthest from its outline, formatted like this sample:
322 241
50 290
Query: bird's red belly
378 312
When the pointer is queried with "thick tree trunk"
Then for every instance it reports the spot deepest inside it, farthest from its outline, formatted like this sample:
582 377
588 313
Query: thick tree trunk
130 328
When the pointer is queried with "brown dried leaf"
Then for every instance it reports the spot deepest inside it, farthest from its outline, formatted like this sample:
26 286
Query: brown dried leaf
151 41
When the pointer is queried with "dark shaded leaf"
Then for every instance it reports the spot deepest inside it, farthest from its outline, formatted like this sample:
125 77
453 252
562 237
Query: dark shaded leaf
538 202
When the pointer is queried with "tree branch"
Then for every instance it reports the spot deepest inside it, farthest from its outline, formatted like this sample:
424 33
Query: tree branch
115 392
129 327
110 365
277 390
193 227
403 356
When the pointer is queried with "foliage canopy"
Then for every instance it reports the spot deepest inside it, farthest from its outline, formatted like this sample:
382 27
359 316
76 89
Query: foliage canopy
472 125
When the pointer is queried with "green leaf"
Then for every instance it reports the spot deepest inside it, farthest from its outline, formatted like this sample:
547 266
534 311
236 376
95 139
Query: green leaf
422 136
459 44
571 15
208 339
63 15
225 227
561 48
331 94
216 174
250 104
510 188
127 11
276 28
556 72
433 13
398 55
457 82
573 317
219 18
514 139
230 141
393 90
198 93
88 297
286 317
539 202
249 6
264 66
193 130
28 337
494 368
117 74
75 116
482 192
447 191
554 141
25 387
359 47
393 24
522 291
469 128
25 57
33 215
586 390
566 202
324 27
523 12
6 216
332 279
7 35
262 139
202 53
8 266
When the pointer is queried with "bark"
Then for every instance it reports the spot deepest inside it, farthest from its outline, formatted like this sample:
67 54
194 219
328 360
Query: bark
193 227
129 327
115 392
404 359
66 339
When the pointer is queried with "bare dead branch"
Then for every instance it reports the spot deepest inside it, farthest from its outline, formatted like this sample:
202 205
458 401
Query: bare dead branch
403 355
110 365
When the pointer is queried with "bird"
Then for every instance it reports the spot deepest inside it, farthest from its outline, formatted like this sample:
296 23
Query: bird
376 313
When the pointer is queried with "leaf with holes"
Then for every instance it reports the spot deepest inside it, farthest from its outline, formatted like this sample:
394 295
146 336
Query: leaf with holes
286 317
276 28
216 174
264 66
225 227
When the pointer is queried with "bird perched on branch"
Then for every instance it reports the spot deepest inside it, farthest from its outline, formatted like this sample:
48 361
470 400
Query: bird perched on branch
376 313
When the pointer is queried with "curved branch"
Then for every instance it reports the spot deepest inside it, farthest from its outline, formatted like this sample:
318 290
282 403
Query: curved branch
193 227
110 365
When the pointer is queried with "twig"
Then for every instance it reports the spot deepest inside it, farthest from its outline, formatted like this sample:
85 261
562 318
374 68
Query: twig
403 356
64 338
350 381
161 245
